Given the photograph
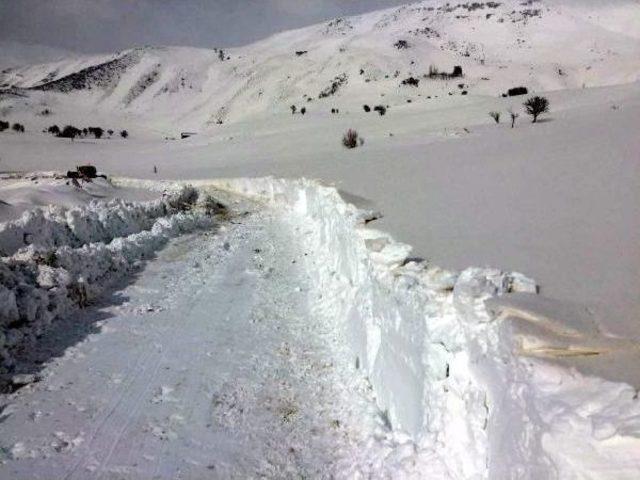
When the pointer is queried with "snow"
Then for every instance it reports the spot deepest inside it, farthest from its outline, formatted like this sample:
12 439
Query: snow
557 200
435 366
445 368
174 89
158 392
56 260
456 391
22 192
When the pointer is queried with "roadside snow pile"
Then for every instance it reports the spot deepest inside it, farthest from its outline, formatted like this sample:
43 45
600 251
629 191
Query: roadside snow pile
445 369
74 255
54 226
416 331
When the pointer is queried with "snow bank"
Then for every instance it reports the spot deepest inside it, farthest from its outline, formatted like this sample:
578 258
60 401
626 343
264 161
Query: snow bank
442 364
73 255
416 330
55 226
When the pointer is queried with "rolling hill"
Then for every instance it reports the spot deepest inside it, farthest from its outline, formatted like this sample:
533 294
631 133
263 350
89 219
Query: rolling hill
346 62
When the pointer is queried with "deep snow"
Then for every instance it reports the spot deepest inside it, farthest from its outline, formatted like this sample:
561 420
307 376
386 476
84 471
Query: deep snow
300 299
56 260
20 193
557 200
465 385
462 378
211 365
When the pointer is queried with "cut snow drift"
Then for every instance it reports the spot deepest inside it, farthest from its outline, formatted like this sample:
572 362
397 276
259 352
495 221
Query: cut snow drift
56 260
444 367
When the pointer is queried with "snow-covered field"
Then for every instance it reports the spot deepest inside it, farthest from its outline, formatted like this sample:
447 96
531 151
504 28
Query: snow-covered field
285 338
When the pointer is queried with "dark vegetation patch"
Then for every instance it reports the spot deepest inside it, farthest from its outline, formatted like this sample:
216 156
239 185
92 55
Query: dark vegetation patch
72 132
101 76
337 82
142 84
426 31
434 73
381 109
411 81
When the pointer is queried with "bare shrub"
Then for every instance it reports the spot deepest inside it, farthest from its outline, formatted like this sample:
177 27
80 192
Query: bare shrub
514 116
381 109
414 82
350 138
495 116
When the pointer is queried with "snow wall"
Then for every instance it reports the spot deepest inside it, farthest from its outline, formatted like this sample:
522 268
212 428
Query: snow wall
421 334
56 260
461 404
443 363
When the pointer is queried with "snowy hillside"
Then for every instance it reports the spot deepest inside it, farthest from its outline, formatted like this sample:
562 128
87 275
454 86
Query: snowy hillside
542 45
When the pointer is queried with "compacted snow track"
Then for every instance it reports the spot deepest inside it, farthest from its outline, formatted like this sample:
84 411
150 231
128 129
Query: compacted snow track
208 365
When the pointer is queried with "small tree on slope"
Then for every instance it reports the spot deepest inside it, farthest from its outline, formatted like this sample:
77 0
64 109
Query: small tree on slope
536 106
514 117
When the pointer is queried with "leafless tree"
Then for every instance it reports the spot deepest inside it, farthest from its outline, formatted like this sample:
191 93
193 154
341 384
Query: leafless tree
514 116
536 106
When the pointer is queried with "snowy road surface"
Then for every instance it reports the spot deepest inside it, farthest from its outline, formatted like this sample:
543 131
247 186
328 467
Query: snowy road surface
208 365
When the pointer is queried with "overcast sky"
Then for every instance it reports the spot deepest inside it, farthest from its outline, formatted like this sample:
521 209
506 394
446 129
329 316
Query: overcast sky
106 25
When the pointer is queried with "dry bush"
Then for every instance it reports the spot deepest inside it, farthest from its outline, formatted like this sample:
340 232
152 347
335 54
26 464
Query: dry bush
350 138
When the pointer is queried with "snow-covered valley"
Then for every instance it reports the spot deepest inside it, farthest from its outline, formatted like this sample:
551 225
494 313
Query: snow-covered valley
257 301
